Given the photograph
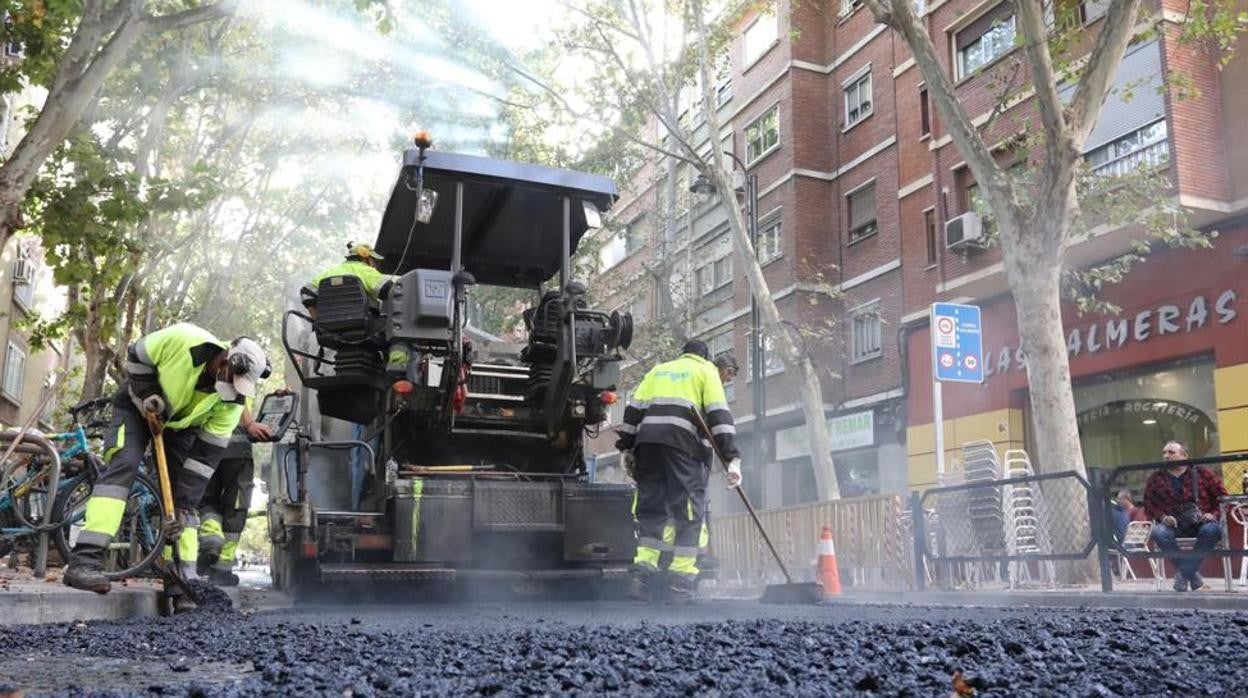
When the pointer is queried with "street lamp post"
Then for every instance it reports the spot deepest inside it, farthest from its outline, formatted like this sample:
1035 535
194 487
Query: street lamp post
702 185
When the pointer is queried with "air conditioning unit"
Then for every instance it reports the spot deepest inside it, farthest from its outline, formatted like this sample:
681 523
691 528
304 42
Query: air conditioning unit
23 272
965 232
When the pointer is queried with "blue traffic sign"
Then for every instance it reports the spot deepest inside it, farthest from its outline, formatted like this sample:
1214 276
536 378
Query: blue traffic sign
957 343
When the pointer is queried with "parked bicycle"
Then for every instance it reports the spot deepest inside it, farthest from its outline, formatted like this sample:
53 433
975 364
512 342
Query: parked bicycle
24 496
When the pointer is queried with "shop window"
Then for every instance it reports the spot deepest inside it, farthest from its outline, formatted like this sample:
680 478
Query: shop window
861 206
1127 418
986 39
858 104
866 332
761 36
14 373
857 472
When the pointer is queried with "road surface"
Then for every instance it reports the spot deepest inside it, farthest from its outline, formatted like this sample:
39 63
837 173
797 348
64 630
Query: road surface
719 647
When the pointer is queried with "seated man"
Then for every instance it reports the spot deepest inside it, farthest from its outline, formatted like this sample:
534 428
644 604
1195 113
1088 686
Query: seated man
1180 512
362 263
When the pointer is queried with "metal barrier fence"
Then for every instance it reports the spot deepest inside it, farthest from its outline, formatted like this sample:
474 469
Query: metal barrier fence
872 545
1011 530
1008 530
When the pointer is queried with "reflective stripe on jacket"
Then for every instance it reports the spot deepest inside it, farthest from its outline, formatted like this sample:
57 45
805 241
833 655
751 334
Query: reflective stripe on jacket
662 409
170 362
372 279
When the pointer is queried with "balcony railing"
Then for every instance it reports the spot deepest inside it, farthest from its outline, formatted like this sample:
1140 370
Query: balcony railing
1149 157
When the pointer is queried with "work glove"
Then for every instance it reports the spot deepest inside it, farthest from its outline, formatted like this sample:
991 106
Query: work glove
629 463
173 529
734 473
152 404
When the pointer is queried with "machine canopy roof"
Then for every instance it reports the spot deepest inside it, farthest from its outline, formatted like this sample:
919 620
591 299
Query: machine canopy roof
512 217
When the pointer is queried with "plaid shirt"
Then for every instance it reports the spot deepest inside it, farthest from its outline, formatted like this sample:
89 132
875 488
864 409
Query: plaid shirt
1160 498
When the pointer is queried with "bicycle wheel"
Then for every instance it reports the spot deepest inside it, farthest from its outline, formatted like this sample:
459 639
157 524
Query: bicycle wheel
139 539
26 494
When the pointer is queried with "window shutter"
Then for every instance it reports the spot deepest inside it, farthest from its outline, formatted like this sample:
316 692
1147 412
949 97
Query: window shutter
971 33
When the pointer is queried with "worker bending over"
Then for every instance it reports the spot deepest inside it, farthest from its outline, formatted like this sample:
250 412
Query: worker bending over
195 384
661 444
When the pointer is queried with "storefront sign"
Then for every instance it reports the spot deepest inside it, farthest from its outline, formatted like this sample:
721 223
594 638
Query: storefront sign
852 430
1116 332
848 431
1145 409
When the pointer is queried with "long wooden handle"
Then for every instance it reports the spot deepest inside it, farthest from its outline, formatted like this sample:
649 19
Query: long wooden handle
744 498
162 465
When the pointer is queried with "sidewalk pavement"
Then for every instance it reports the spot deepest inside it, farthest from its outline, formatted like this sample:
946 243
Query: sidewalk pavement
24 599
1088 596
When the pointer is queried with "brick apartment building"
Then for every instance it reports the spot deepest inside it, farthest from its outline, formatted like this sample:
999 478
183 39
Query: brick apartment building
857 179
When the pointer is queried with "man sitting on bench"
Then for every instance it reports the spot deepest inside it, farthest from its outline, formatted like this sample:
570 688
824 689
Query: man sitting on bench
1180 512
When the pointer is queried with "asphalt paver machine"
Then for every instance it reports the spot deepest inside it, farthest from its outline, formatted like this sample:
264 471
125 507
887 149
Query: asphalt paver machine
422 450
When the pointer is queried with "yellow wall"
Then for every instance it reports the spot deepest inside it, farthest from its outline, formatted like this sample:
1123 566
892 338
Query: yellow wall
1231 389
1004 428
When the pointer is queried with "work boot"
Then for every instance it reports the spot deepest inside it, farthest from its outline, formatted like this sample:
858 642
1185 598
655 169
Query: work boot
203 566
222 578
86 570
682 589
639 583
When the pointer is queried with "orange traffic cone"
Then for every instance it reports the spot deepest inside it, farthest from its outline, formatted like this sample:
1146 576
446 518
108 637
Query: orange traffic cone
829 576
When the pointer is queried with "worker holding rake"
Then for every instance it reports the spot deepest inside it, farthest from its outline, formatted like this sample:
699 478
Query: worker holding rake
662 446
189 385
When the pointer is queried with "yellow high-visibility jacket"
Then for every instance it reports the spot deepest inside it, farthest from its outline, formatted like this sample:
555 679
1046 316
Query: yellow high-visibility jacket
662 409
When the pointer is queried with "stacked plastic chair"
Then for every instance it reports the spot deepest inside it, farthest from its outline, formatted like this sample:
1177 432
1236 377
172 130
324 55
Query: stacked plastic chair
1026 533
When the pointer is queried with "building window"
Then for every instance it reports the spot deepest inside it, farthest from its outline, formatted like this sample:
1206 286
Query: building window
761 36
721 345
929 229
1147 147
974 200
858 98
772 363
1092 10
925 114
848 6
14 373
24 279
769 242
866 332
713 275
763 135
986 39
619 246
861 205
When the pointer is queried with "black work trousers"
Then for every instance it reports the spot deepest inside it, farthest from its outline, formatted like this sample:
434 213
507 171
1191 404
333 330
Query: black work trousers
670 484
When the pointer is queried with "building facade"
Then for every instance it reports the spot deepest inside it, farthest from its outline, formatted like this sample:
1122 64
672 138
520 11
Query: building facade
27 374
857 180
